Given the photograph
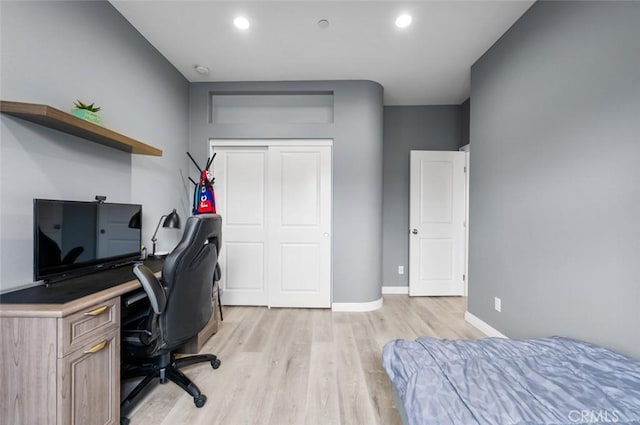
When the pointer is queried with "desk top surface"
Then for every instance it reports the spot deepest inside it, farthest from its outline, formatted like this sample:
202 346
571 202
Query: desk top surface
65 298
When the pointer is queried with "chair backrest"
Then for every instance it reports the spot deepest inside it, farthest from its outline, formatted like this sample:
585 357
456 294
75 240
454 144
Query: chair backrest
187 276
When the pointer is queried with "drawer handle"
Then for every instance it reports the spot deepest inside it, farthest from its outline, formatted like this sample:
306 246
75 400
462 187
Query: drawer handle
98 311
99 346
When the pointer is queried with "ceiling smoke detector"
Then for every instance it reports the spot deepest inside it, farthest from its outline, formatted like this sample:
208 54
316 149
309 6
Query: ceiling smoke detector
201 69
323 23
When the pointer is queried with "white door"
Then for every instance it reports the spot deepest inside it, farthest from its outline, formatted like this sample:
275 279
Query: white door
275 204
300 226
437 224
241 199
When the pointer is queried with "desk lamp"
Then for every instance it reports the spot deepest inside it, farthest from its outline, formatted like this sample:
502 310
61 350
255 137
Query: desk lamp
171 220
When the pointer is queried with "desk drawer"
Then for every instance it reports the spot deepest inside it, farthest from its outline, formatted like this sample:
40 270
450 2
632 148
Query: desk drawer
89 383
79 328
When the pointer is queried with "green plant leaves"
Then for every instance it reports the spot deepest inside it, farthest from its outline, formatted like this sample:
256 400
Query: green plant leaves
78 104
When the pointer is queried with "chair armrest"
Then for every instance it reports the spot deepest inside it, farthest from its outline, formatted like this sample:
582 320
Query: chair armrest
138 337
152 286
136 332
217 273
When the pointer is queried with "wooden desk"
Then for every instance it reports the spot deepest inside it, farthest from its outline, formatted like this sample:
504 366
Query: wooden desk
60 363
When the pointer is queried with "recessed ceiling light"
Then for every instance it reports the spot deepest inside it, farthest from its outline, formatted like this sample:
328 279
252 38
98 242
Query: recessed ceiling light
403 21
201 69
241 23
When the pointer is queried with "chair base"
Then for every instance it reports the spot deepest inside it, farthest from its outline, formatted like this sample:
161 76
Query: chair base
166 367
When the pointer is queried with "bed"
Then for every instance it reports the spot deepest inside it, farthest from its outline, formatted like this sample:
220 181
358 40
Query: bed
496 381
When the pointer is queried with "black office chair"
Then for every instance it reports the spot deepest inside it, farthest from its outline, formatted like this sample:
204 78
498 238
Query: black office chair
180 306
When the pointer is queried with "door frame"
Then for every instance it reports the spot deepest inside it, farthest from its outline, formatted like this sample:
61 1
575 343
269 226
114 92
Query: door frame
268 142
467 149
257 142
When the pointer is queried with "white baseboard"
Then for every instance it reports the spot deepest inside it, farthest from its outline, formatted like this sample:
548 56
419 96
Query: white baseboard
401 290
483 326
357 307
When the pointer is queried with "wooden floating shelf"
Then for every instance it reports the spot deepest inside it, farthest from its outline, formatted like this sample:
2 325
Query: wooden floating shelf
50 117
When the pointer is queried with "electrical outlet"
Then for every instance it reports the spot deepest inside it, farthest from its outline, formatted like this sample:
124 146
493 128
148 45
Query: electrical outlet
497 304
400 269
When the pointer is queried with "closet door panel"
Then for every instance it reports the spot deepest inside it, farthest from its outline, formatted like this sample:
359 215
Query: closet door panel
275 204
300 226
241 189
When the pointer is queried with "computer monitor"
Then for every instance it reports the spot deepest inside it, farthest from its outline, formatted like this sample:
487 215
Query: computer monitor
72 238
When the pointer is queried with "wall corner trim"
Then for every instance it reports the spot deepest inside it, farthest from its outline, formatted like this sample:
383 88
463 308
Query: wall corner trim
483 326
357 307
397 290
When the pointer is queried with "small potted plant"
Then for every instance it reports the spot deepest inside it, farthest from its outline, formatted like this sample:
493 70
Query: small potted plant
86 112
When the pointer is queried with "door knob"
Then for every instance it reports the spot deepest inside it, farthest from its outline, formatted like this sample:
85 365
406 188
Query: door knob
414 231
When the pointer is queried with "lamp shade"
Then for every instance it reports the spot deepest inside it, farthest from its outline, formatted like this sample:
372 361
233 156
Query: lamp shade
172 220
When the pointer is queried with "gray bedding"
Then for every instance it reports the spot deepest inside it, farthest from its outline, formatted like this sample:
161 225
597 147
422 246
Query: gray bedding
494 381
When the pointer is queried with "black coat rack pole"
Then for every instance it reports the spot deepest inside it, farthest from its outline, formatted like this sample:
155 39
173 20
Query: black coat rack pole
194 162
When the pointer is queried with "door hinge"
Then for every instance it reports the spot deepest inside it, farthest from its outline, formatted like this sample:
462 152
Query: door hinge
465 168
464 277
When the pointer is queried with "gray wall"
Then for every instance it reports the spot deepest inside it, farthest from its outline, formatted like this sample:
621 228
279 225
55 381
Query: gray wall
408 128
357 160
555 193
465 116
54 53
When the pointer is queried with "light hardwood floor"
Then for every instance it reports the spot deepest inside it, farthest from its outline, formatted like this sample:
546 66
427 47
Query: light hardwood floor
297 366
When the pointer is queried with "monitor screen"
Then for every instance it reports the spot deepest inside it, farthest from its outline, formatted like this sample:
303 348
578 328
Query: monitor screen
72 238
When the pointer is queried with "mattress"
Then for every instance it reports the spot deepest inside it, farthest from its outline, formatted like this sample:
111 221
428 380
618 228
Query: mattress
497 381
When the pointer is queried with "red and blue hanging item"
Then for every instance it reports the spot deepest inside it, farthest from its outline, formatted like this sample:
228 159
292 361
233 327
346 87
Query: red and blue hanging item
204 199
206 202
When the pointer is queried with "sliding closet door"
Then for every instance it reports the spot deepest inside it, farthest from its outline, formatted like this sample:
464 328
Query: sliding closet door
300 226
275 204
241 199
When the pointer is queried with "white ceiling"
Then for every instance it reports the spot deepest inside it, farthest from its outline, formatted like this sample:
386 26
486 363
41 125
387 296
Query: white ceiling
427 63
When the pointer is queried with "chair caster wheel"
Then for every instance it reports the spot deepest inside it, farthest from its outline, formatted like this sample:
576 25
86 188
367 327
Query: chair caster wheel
215 364
124 421
200 400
